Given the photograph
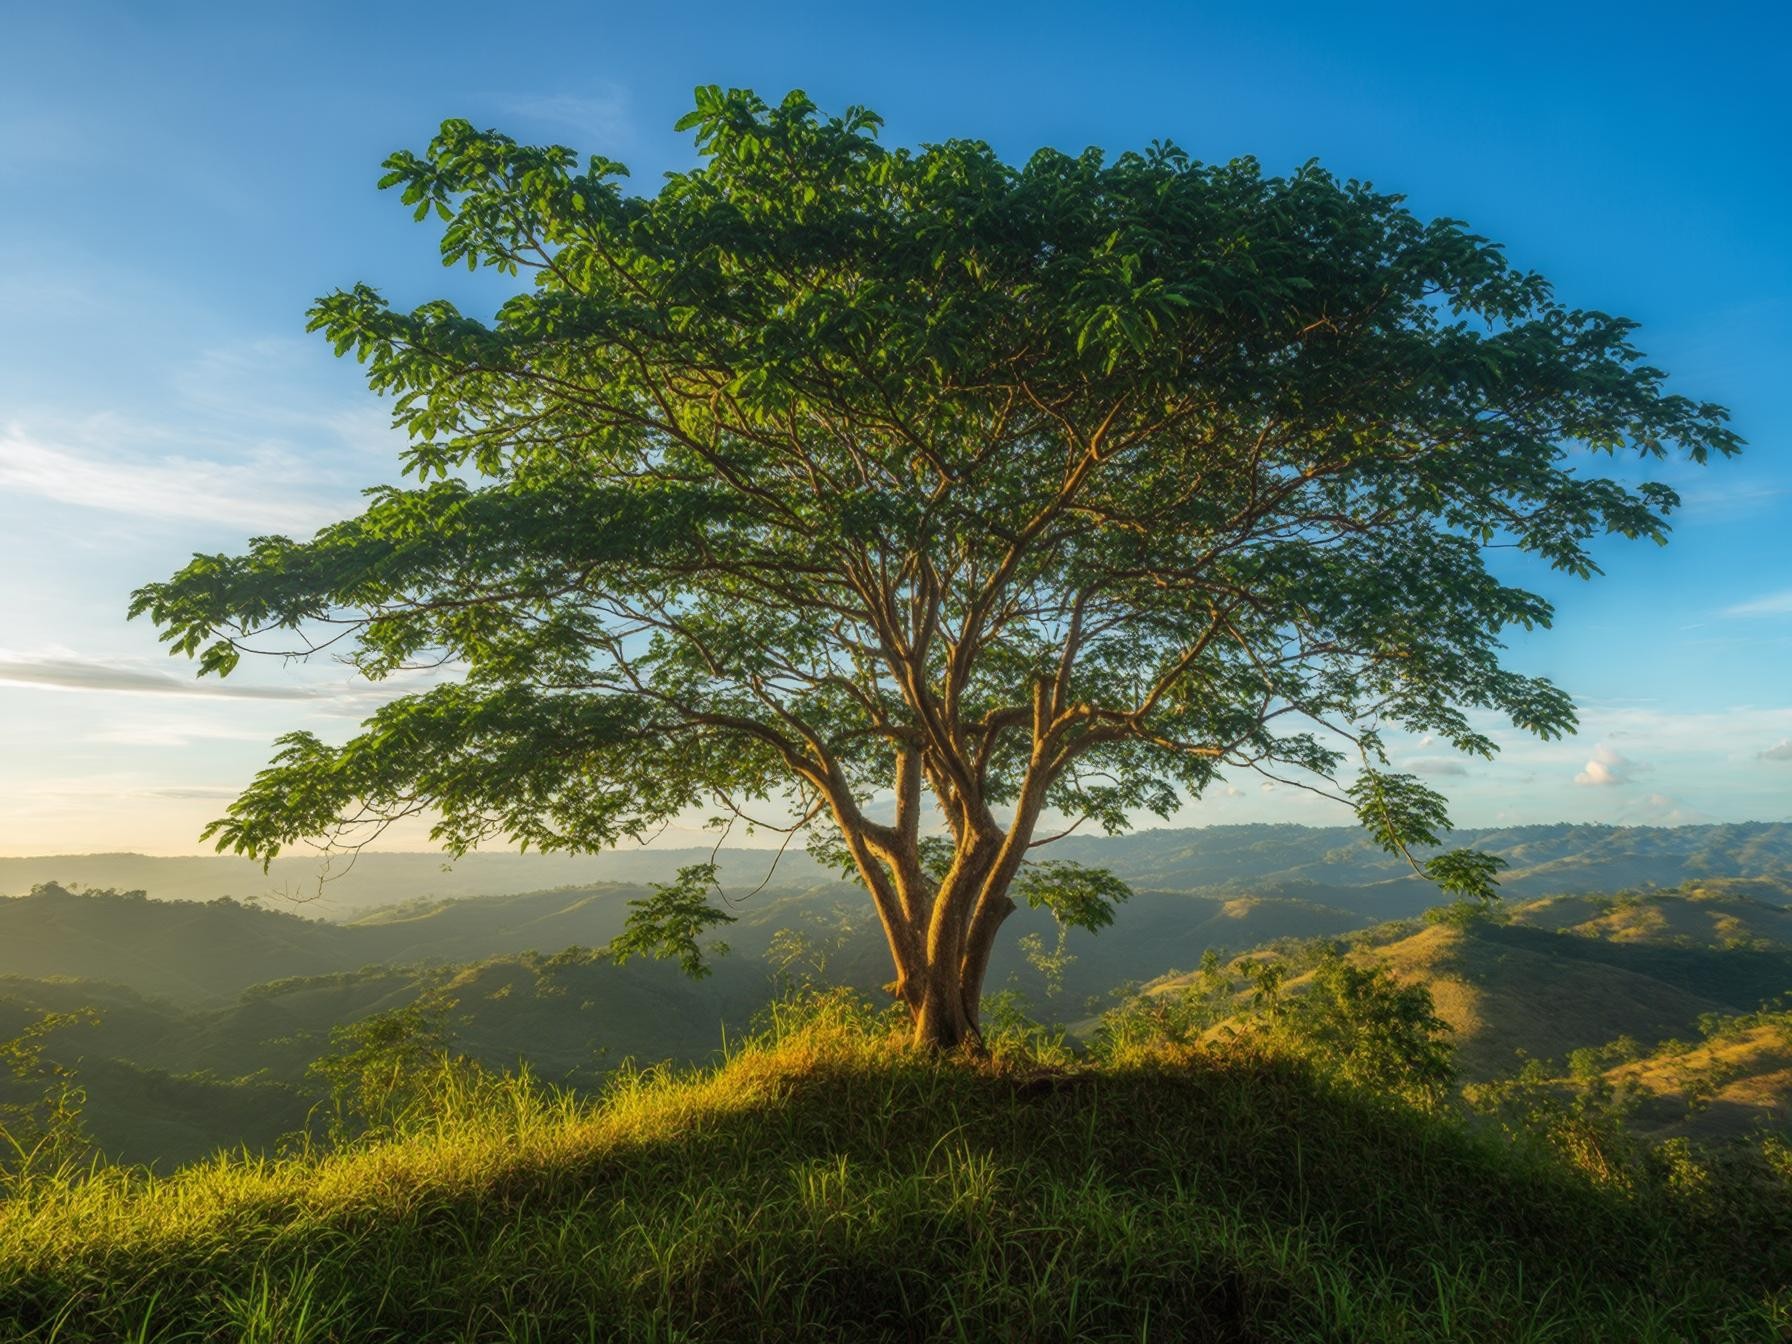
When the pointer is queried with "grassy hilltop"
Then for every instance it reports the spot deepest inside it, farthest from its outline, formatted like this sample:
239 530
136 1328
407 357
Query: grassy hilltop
825 1182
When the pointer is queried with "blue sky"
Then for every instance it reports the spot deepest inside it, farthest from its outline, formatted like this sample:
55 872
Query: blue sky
180 181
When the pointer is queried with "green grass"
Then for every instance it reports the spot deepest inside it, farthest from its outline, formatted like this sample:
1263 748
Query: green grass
826 1183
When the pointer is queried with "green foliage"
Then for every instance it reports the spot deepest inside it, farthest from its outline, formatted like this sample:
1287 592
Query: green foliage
385 1070
1368 1029
801 957
1073 483
1078 897
1586 1125
670 921
1355 1024
1051 962
41 1104
1461 913
1144 1022
1401 813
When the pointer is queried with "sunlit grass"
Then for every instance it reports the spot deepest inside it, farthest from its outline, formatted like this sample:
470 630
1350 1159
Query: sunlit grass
824 1182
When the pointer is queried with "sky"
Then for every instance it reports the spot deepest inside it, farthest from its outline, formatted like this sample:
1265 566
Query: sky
180 181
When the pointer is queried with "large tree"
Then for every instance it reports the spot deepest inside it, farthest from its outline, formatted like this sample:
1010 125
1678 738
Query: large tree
937 502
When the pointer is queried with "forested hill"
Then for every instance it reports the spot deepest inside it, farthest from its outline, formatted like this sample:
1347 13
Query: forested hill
1307 861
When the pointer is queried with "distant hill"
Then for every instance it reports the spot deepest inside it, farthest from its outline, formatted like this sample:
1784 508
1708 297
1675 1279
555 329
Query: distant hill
304 884
199 997
195 951
1332 865
1736 1080
1510 988
1343 866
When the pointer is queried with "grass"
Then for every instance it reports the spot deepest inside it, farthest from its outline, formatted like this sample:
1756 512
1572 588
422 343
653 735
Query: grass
826 1183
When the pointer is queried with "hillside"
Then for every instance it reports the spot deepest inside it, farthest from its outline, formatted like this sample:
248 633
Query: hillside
159 1064
1335 865
1736 1081
199 952
1663 987
198 1049
825 1184
167 1083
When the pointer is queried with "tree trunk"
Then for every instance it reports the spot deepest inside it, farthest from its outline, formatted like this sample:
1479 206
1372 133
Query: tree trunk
944 1019
980 942
941 1022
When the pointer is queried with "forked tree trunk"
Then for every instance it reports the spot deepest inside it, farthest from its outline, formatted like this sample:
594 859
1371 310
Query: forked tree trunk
947 986
941 935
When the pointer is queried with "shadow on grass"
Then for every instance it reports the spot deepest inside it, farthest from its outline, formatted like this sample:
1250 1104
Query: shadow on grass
869 1194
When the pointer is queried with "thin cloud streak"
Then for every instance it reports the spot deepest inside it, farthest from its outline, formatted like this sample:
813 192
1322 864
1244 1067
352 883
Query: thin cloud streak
603 119
254 494
73 674
1773 604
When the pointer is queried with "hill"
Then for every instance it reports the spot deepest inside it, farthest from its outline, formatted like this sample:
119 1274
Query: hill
1735 1081
158 1065
199 952
211 1013
1664 990
1334 865
825 1183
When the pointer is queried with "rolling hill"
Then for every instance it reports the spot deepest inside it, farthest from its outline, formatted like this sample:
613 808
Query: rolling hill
1311 862
822 1185
1668 983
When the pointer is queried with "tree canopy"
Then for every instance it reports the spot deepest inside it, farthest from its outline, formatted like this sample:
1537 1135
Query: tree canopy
935 505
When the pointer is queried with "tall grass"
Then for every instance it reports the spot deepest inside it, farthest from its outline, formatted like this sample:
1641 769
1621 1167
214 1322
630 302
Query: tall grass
824 1182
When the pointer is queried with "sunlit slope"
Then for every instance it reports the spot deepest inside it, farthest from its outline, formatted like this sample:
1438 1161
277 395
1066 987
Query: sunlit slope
1506 990
1736 1082
1562 973
1713 913
832 1186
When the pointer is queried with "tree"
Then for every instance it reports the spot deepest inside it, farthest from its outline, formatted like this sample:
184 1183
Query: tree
832 474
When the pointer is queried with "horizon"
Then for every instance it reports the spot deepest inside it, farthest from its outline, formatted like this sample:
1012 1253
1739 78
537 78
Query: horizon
749 847
164 399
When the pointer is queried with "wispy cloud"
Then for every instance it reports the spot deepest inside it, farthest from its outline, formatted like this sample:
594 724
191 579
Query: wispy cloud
1661 809
182 731
1773 604
256 492
602 116
78 674
202 791
1779 751
1436 765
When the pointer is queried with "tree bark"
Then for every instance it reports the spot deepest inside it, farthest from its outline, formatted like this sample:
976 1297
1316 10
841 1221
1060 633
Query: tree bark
941 1023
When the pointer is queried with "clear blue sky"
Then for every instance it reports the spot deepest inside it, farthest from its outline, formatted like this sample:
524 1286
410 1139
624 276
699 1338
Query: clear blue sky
180 181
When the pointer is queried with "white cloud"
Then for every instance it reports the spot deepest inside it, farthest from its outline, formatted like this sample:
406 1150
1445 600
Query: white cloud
82 674
1660 809
1779 751
177 733
602 117
255 493
1772 604
1606 768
